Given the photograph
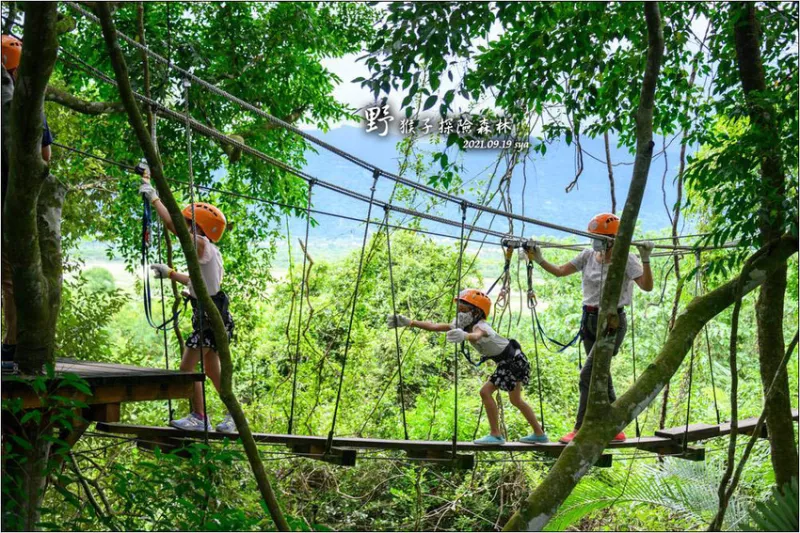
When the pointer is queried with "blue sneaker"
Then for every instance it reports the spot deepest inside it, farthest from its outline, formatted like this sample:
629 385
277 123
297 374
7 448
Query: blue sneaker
191 422
227 425
535 439
490 439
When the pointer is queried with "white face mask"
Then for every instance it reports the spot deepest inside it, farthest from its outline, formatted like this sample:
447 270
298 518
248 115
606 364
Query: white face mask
598 245
464 320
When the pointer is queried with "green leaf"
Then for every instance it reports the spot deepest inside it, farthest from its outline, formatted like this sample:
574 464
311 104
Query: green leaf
429 102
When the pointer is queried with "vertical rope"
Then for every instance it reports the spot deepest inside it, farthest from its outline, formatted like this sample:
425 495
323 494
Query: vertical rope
532 307
698 287
186 85
375 177
456 351
394 312
303 288
633 354
164 321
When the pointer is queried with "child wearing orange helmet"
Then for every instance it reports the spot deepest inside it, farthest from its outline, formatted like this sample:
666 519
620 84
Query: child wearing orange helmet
210 225
11 55
513 369
593 266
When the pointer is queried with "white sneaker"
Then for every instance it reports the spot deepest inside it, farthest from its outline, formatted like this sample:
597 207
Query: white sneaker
191 422
227 425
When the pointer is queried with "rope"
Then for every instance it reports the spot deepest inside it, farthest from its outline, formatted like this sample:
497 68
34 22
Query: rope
147 297
375 177
186 86
455 358
213 133
633 354
698 286
284 205
396 332
303 289
345 155
532 307
163 317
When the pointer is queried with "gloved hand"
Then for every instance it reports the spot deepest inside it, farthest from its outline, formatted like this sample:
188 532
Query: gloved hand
148 191
645 249
538 258
161 271
456 335
397 321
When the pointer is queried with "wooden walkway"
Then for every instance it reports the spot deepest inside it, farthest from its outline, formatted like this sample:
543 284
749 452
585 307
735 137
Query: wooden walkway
344 449
111 383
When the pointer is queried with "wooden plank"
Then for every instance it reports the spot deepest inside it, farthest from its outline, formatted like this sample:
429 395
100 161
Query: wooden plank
692 433
444 459
550 448
116 394
748 425
104 412
97 374
336 455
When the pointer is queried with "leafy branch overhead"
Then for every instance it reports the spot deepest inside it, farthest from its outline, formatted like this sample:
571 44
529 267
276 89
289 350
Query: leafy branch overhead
263 53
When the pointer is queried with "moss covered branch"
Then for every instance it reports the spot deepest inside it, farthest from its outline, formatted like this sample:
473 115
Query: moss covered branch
190 253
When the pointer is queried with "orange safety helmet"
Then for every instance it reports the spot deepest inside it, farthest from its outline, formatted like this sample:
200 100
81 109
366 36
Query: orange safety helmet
208 218
12 52
604 224
476 298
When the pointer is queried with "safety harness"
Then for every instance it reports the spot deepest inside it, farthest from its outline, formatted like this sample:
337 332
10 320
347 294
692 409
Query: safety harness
147 298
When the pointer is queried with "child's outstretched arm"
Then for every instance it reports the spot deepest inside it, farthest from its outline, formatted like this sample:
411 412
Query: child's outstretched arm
152 196
400 321
165 272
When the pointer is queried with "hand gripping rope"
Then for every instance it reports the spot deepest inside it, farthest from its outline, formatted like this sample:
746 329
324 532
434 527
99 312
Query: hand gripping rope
147 297
528 247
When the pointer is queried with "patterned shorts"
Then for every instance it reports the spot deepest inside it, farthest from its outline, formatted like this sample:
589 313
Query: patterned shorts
208 339
511 371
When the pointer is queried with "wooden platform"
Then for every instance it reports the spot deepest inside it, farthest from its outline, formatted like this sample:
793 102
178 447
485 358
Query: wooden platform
550 448
111 383
343 449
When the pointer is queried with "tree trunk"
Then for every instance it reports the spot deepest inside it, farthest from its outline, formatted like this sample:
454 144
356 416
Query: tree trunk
32 234
190 253
770 304
603 421
32 211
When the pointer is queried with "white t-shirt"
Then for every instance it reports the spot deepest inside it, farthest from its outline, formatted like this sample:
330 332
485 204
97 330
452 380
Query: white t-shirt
490 345
210 267
594 274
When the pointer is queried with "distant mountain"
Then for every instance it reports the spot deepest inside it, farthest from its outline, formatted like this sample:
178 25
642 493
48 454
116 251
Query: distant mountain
543 179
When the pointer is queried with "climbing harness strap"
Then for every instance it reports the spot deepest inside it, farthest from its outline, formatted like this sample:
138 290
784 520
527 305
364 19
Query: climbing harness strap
527 246
147 297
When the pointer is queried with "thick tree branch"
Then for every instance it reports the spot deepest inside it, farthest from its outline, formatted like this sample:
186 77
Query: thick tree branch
62 97
596 430
771 213
190 253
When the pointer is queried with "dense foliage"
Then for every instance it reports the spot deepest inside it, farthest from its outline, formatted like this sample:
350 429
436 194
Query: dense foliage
579 64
